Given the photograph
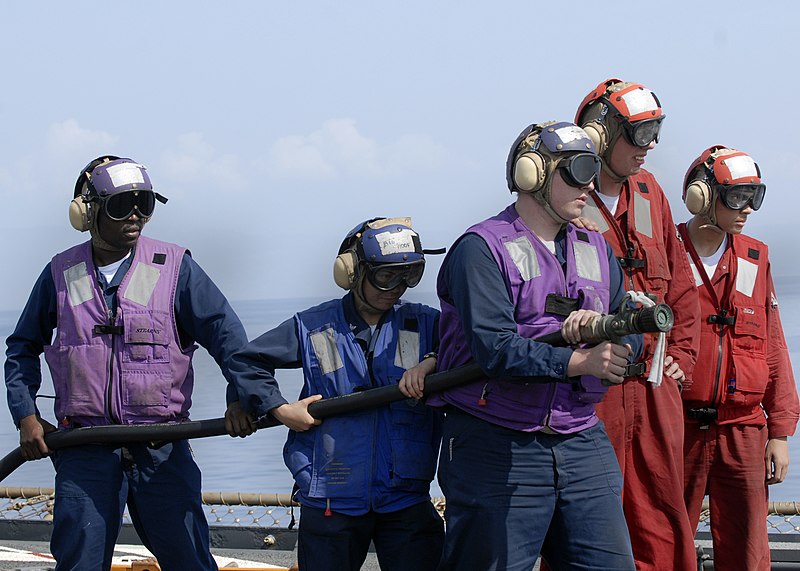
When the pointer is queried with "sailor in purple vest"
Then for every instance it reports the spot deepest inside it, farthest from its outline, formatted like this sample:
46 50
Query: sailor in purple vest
525 465
127 312
362 477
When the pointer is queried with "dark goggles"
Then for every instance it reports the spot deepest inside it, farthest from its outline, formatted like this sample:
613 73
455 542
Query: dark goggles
738 196
580 170
122 205
642 133
389 276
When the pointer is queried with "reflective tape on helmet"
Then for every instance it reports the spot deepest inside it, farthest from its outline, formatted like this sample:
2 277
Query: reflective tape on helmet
397 242
636 103
738 168
126 174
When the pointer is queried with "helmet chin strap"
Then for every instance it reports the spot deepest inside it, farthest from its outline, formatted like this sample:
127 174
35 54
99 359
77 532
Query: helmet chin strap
605 163
358 291
711 215
542 197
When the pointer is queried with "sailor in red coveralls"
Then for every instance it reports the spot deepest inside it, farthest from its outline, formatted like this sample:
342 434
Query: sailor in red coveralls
733 450
643 416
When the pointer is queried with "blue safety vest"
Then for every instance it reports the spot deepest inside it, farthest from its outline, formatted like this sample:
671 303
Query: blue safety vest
382 459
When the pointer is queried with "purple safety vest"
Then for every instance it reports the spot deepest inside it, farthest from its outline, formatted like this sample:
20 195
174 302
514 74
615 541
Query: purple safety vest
531 272
132 370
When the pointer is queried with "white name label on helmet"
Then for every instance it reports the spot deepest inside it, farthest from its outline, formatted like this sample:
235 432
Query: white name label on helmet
125 174
640 101
396 242
571 133
741 166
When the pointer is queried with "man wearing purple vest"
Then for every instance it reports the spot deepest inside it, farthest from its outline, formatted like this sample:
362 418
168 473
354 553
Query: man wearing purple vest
525 464
126 311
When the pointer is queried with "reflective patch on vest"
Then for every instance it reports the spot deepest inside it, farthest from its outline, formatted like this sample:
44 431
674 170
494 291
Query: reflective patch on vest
143 283
592 212
641 213
79 284
524 257
324 344
587 262
698 279
746 277
407 354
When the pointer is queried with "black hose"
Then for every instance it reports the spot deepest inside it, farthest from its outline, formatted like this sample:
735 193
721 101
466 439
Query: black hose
159 432
651 319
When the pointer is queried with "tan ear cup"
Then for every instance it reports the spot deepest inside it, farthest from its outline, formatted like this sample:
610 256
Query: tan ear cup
79 214
598 134
529 173
344 270
698 197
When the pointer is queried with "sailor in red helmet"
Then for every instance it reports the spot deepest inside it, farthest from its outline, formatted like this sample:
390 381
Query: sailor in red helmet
643 416
733 450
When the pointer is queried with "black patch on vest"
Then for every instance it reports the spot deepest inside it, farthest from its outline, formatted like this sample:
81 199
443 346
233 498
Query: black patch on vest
159 259
102 329
582 236
560 305
410 324
752 253
643 188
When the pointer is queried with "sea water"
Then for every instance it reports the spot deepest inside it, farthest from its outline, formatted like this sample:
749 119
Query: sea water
255 464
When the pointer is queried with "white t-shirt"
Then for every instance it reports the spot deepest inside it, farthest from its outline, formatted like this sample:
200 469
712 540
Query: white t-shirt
709 262
611 202
110 270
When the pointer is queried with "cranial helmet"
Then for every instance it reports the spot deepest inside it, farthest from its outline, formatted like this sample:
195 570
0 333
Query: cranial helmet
106 176
616 107
722 172
540 149
385 250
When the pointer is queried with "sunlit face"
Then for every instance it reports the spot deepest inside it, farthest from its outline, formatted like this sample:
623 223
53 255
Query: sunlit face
122 234
381 300
729 220
627 159
568 201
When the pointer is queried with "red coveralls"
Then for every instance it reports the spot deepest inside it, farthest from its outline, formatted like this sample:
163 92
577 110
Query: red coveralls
743 366
645 423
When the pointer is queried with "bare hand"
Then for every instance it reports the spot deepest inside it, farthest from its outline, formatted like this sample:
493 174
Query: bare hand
412 384
673 370
776 460
31 437
605 361
575 321
238 422
295 415
585 223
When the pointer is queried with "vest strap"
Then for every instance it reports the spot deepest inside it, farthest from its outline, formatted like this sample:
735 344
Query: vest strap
108 329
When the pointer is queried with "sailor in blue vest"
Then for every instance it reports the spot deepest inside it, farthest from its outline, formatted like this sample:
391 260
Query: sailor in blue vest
117 318
366 476
526 466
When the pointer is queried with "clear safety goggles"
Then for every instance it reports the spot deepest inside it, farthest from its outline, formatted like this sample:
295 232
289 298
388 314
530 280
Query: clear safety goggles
122 205
388 277
642 133
738 196
580 170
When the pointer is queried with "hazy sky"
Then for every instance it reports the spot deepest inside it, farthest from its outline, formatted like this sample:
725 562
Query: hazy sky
274 127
